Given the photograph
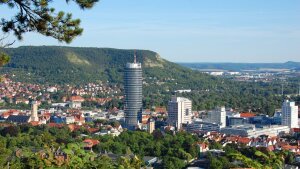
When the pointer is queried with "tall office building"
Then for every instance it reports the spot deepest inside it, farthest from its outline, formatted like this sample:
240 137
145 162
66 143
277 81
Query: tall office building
133 94
218 116
289 114
179 111
34 111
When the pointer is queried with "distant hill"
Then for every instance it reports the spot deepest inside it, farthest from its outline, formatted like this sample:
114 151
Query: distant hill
243 66
76 65
55 64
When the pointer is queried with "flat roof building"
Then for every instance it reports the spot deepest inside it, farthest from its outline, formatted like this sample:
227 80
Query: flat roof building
179 111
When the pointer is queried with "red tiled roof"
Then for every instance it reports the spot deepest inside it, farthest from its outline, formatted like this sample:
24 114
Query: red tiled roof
73 127
5 114
288 147
244 140
55 125
247 114
34 123
77 98
270 148
214 133
10 112
93 130
272 139
91 142
79 118
160 109
47 114
203 145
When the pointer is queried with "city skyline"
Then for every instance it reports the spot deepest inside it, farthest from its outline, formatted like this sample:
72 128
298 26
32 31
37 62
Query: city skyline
190 31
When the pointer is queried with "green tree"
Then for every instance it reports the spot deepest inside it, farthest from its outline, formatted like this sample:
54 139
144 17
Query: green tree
172 163
38 16
215 145
10 130
102 162
4 58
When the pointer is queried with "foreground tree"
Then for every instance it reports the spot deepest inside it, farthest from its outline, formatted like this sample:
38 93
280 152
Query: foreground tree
4 58
38 16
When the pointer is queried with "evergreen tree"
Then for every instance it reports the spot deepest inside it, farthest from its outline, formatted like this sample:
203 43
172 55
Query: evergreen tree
39 16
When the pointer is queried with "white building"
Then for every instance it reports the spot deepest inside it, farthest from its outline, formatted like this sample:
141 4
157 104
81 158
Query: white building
251 131
75 102
199 125
180 111
70 120
51 89
218 116
289 114
184 91
216 73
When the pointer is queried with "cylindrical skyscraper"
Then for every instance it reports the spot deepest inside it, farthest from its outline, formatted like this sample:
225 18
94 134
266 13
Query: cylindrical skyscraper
133 94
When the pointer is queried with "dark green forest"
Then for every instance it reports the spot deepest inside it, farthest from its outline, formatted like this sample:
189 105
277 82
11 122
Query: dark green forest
35 147
74 65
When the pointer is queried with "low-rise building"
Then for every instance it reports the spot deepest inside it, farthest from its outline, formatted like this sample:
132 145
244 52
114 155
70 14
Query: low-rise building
199 125
252 131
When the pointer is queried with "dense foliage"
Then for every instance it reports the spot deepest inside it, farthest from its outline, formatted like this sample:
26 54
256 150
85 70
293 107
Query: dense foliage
39 16
250 157
63 65
35 147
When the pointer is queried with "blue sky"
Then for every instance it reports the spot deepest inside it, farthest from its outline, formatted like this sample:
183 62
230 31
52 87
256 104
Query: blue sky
189 30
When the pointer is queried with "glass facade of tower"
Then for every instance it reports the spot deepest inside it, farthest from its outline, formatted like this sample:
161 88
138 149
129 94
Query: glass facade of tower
133 94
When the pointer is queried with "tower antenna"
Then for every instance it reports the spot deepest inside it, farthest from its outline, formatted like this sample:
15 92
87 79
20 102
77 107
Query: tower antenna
134 56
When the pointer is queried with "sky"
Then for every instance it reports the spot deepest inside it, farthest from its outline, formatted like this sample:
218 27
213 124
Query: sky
188 30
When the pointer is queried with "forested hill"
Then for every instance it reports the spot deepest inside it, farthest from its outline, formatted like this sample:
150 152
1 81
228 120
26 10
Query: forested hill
73 65
53 64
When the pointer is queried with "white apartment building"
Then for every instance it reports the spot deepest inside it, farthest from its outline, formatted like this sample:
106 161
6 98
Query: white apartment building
218 116
179 111
289 114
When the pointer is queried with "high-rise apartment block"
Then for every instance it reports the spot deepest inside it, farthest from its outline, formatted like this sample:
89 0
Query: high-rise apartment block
218 116
289 114
179 111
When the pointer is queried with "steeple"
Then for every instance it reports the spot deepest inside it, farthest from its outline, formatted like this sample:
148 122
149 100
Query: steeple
34 111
